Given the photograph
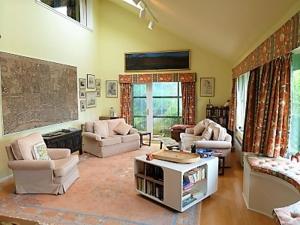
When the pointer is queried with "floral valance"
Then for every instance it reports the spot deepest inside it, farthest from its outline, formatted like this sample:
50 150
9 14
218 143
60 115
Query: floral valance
157 77
283 41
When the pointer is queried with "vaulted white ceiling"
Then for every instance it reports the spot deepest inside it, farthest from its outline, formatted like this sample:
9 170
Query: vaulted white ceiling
227 28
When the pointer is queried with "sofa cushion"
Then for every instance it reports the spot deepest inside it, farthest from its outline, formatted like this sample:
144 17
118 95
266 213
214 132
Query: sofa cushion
207 133
122 128
89 126
22 148
101 128
199 128
112 124
63 166
130 137
222 134
110 141
40 152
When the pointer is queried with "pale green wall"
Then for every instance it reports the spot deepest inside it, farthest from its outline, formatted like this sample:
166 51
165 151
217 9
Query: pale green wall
32 30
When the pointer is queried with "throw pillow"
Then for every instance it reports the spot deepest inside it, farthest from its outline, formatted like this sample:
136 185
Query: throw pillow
215 131
39 151
122 128
222 134
101 128
199 128
207 133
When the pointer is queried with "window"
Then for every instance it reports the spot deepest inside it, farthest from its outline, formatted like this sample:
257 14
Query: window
78 10
294 137
157 106
242 86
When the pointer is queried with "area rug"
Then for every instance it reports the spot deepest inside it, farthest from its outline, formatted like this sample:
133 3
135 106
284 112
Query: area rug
104 194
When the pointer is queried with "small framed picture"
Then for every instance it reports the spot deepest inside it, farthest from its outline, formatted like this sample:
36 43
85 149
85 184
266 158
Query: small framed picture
207 86
82 83
82 105
98 92
82 94
91 99
98 83
91 81
111 88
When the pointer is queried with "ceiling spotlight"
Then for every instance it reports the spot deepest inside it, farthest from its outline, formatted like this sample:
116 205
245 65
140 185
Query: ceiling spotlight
142 13
151 25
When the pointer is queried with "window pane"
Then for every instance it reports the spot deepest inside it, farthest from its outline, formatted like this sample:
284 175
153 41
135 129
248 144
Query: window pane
165 89
180 107
70 8
162 125
140 123
165 107
294 137
139 90
139 106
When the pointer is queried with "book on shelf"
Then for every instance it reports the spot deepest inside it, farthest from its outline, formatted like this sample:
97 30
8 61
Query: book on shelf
155 172
198 194
140 184
188 201
154 190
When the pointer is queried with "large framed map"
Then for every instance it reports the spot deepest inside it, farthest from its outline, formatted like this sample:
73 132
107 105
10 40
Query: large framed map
36 93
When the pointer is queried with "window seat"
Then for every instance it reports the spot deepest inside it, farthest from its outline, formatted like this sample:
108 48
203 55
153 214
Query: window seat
289 215
270 183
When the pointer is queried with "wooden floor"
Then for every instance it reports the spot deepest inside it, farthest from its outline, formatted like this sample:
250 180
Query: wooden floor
227 206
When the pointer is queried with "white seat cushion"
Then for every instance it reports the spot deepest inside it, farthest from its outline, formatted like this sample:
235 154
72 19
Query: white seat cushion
64 166
110 141
130 137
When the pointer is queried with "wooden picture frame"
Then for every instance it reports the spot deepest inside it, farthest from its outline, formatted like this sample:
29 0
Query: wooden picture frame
91 99
207 86
98 92
98 83
82 105
111 88
82 94
91 83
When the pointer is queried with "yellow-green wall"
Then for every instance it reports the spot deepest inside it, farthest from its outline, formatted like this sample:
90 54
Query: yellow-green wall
31 30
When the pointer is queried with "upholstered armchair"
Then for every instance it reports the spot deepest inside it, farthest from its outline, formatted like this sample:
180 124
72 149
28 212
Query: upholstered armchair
53 175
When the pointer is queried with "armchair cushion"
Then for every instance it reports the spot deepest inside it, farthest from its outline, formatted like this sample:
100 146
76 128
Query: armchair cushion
63 166
31 165
89 127
110 141
112 124
101 128
58 153
199 128
207 133
39 151
122 128
22 148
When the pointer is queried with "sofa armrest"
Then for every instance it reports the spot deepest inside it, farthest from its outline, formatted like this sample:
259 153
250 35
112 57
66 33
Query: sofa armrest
31 165
189 130
58 153
91 136
133 131
228 138
213 144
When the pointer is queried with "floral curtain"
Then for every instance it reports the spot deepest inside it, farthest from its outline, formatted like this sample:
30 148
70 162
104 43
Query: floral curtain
232 107
126 101
266 123
188 102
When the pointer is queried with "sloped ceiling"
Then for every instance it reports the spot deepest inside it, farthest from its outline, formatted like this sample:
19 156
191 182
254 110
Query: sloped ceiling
224 27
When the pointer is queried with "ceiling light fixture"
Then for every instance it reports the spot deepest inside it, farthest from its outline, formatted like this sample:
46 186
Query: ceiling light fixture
142 13
151 24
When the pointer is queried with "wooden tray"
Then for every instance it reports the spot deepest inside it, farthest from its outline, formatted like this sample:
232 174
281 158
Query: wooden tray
178 157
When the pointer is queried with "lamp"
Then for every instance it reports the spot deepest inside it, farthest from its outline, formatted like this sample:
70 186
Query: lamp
142 13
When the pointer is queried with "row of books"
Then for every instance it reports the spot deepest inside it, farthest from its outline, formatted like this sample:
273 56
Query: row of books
155 172
154 189
193 176
188 198
217 111
140 184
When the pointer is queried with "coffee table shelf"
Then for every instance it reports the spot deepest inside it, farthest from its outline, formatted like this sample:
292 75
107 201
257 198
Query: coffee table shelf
163 181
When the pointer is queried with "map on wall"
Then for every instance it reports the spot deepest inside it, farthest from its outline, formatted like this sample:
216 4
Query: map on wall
36 93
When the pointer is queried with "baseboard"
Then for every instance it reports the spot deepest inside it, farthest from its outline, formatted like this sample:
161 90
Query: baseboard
3 179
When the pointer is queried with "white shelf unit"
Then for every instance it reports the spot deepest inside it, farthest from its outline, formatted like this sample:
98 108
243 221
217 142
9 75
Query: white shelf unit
168 186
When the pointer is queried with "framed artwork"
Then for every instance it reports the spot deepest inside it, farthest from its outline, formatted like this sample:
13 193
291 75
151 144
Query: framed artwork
111 88
98 83
98 92
207 86
91 99
82 94
166 60
91 83
82 83
82 105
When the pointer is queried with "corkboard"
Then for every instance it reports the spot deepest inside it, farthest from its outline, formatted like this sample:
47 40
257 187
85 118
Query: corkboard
36 93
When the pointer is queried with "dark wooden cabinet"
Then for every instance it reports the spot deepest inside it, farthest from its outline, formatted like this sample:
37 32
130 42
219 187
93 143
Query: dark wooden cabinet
218 114
65 138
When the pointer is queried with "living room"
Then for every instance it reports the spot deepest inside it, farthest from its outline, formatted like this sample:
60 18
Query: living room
217 38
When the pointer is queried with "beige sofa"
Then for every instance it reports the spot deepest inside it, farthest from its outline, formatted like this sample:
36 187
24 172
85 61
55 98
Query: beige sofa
52 176
210 135
101 139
